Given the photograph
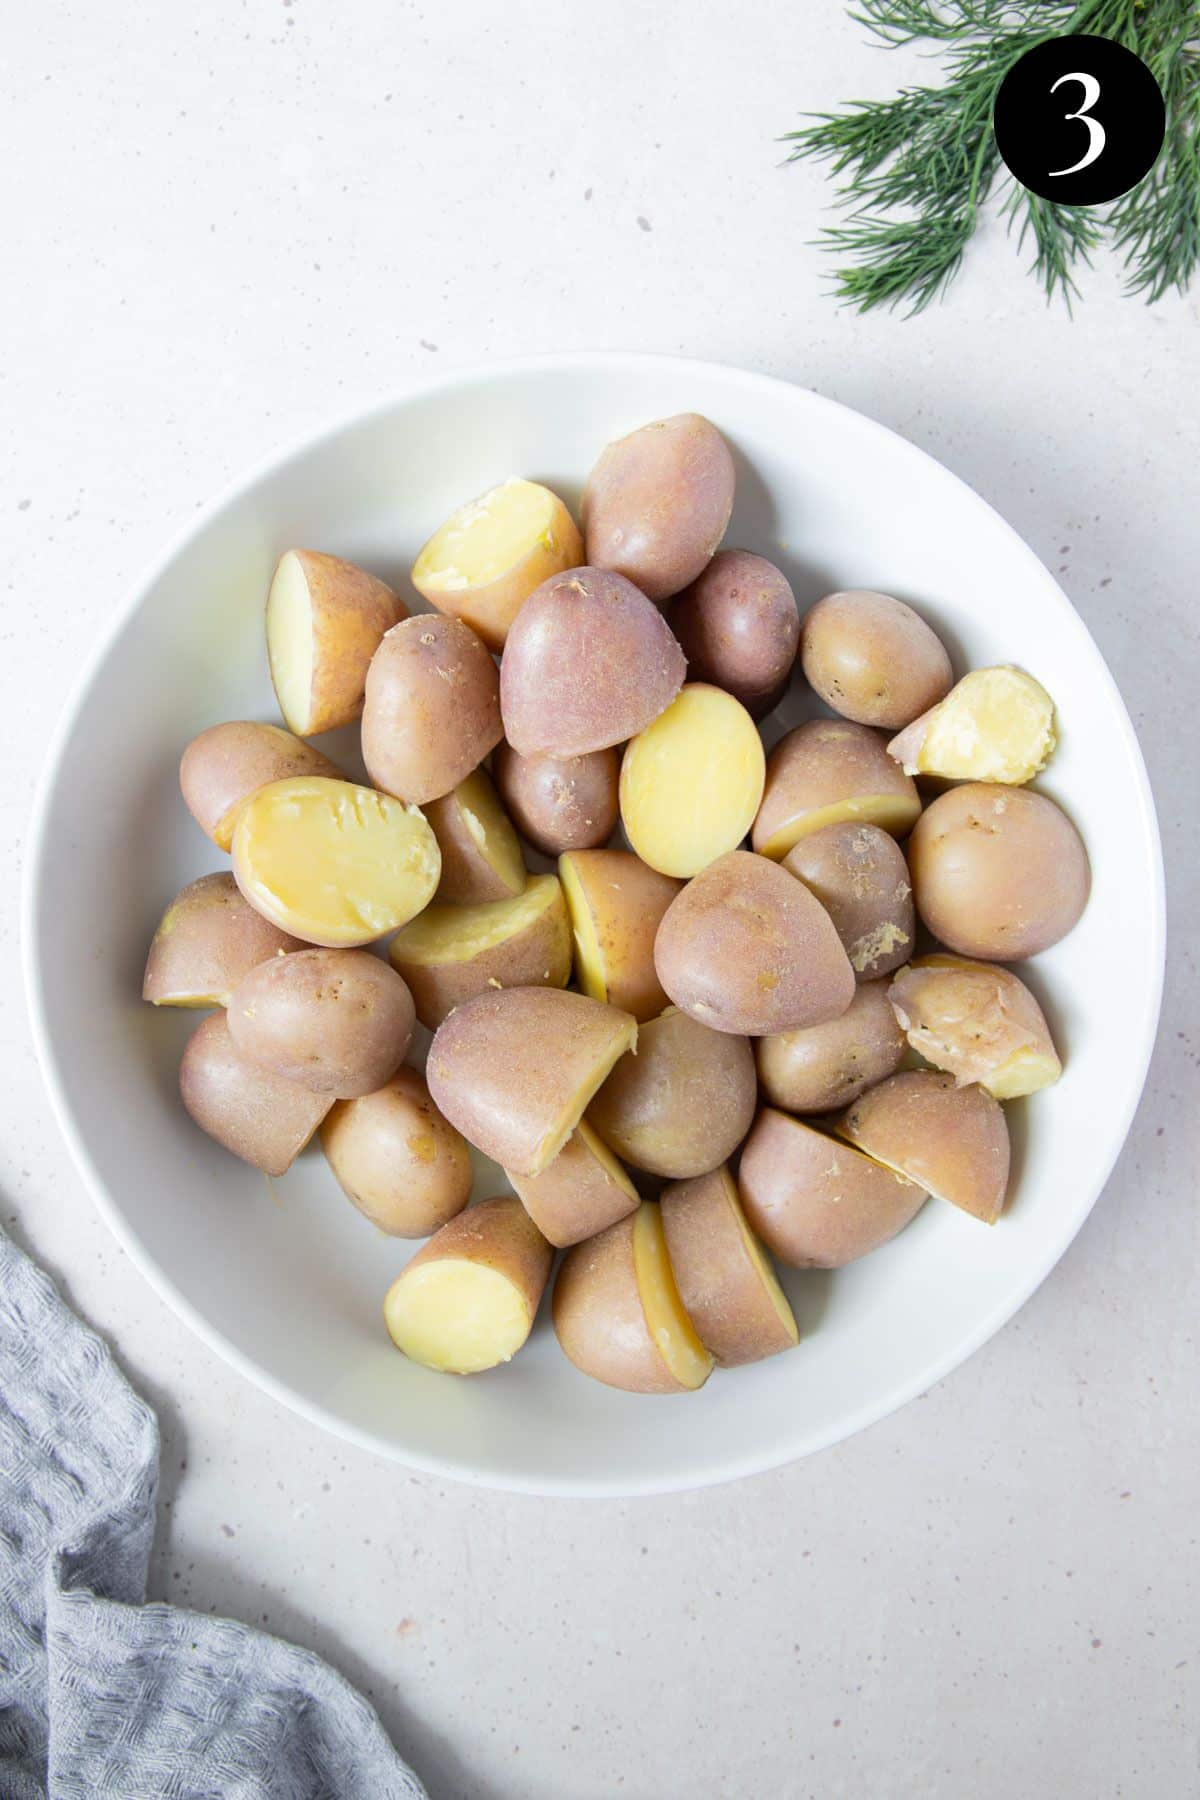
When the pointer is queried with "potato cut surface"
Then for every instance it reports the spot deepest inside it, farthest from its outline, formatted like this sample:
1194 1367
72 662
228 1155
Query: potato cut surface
668 1323
325 618
977 1021
481 855
691 782
995 725
457 1316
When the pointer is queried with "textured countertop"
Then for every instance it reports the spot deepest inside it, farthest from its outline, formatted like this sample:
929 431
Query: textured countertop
225 224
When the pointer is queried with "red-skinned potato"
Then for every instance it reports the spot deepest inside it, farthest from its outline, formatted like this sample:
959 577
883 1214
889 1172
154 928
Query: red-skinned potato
325 619
481 858
738 626
951 1140
258 1116
449 954
859 875
658 501
826 771
873 659
746 948
587 664
977 1021
432 708
228 763
683 1104
725 1279
616 904
336 1021
816 1203
397 1159
827 1066
583 1191
208 938
560 803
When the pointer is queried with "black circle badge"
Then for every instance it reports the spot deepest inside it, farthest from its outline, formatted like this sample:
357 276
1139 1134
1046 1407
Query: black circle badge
1079 119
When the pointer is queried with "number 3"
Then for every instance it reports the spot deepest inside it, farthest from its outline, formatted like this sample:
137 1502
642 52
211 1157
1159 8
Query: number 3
1096 137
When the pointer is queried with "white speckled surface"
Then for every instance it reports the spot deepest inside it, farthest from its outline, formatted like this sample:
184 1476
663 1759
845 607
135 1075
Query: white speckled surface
224 224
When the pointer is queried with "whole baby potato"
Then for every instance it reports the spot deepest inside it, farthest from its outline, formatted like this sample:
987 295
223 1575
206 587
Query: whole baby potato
588 663
227 763
208 938
335 1021
432 708
250 1111
859 875
998 872
873 659
738 627
827 1066
823 772
657 503
683 1104
397 1159
560 803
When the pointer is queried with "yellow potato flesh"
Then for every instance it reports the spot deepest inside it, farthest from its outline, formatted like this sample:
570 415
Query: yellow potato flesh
1025 1072
692 782
291 642
483 539
891 812
996 725
668 1324
458 933
456 1316
763 1269
334 863
490 829
589 960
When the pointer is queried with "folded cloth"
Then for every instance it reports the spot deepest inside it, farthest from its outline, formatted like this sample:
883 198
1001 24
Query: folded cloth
101 1696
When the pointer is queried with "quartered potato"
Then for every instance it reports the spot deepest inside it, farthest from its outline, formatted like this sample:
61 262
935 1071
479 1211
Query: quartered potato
691 782
683 1104
724 1276
432 709
485 561
560 803
481 857
583 1191
449 954
825 772
256 1114
859 875
325 620
977 1021
222 767
995 725
616 904
336 1021
208 938
950 1140
825 1067
657 503
397 1159
872 658
738 627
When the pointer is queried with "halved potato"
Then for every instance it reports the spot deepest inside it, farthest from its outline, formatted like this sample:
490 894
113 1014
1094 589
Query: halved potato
325 619
977 1021
222 767
738 626
724 1276
397 1159
859 875
618 1315
331 862
432 708
259 1116
468 1298
451 953
827 1066
616 904
816 1203
683 1104
583 1191
952 1141
691 782
208 938
336 1021
829 770
515 1071
485 561
560 802
995 725
481 858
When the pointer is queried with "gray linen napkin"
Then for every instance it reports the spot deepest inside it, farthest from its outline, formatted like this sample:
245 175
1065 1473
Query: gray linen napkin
101 1696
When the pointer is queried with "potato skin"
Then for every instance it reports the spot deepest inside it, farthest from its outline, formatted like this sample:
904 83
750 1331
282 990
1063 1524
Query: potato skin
227 763
683 1104
258 1116
831 765
873 659
739 628
351 611
208 938
560 803
397 1159
746 948
432 708
625 903
537 954
859 875
816 1203
722 1289
336 1021
998 872
468 877
587 664
827 1066
952 1140
576 1195
658 501
501 1234
599 1319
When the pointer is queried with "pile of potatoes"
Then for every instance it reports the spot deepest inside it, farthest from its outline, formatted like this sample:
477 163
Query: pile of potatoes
708 1043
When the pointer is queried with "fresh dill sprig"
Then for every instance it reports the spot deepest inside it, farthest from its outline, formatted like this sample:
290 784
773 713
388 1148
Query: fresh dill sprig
918 168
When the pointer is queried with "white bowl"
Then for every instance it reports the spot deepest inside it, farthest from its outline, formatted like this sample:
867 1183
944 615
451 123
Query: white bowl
288 1286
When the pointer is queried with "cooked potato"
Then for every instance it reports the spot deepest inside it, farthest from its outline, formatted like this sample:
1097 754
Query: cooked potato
403 1165
485 561
227 763
588 663
259 1116
618 1315
978 1022
859 875
827 1066
452 953
468 1298
997 872
616 904
333 863
336 1021
208 938
583 1191
325 619
683 1104
657 503
826 771
746 948
738 627
816 1203
691 782
481 858
873 659
952 1141
515 1071
560 803
725 1279
995 725
432 709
